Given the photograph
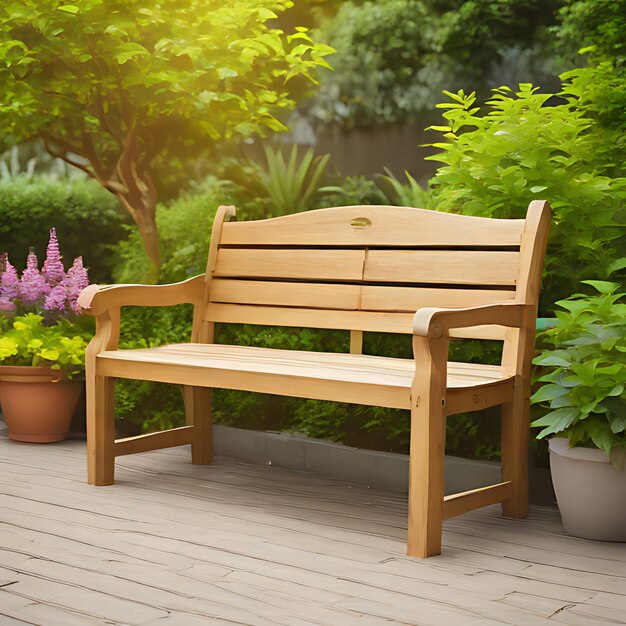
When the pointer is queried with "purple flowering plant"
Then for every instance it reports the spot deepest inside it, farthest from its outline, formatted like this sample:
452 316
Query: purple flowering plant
50 292
40 321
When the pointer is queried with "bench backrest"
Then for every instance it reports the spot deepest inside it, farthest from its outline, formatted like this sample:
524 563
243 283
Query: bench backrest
368 268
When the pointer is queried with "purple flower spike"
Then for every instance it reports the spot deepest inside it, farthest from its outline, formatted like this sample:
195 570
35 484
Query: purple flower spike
9 282
53 270
7 305
33 286
77 280
56 299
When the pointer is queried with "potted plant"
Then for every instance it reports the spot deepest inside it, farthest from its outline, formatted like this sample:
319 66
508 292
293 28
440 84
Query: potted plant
42 345
584 385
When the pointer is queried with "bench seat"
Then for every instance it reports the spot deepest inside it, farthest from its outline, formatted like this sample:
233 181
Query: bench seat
362 379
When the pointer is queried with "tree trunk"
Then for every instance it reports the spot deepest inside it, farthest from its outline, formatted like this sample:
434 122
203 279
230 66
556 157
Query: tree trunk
144 215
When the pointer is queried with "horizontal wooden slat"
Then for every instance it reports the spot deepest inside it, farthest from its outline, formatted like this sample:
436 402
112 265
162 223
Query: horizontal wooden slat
459 267
309 264
307 295
316 305
465 400
460 503
368 321
310 318
377 298
354 378
154 441
389 226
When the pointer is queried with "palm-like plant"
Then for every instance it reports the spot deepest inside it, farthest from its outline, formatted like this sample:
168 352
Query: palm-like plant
291 183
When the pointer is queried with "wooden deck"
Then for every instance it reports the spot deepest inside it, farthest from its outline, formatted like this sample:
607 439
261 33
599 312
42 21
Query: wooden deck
176 544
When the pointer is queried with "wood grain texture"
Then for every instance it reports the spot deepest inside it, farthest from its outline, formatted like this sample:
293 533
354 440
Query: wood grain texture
310 318
390 226
304 264
460 503
456 267
306 295
244 544
154 441
409 299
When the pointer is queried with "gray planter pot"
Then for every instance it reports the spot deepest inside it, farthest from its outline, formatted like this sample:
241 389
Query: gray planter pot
590 492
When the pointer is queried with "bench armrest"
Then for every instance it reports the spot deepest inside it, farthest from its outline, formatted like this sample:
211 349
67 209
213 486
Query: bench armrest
96 299
434 323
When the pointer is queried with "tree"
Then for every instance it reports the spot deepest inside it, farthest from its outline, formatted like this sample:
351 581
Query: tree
395 57
112 86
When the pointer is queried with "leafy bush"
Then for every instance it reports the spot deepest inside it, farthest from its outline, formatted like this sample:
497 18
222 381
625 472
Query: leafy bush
31 342
526 146
596 29
281 185
584 371
352 190
87 216
400 193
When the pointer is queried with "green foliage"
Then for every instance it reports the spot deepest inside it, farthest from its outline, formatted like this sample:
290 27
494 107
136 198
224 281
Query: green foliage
584 371
102 68
596 28
115 86
89 218
404 194
393 57
520 148
184 232
30 342
352 190
286 184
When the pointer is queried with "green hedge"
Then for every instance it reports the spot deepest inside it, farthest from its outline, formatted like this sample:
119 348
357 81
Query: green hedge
87 218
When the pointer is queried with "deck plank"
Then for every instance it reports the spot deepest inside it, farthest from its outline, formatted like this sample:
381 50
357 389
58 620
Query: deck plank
232 543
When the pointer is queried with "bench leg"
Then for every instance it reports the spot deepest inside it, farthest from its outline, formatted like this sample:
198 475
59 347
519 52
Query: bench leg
198 412
100 430
426 478
515 434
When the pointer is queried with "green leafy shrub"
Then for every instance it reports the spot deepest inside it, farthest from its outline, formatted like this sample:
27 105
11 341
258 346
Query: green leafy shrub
88 216
584 371
351 190
283 184
399 193
526 146
30 342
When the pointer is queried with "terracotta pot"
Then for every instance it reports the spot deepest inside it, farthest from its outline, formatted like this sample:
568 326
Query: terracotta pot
37 403
590 492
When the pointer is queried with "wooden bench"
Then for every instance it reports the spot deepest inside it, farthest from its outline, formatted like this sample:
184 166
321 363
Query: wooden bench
364 268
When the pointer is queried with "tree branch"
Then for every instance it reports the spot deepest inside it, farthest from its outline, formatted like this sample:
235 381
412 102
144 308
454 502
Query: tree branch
110 185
